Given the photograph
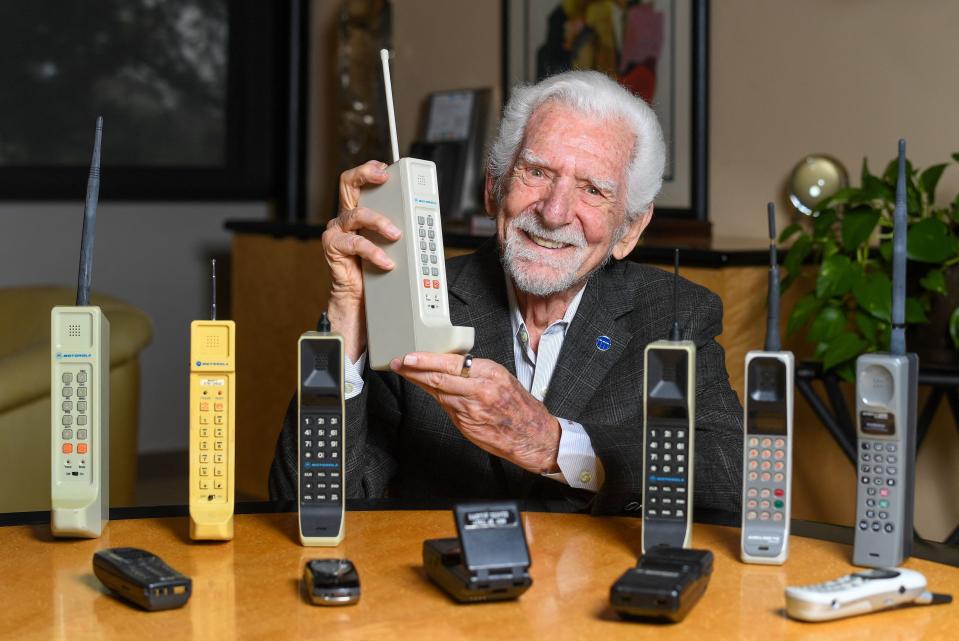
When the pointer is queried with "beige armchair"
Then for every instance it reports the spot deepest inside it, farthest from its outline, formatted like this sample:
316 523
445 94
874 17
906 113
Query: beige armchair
25 394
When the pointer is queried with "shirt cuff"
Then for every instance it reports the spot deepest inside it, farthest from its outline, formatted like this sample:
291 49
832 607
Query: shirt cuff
353 375
578 464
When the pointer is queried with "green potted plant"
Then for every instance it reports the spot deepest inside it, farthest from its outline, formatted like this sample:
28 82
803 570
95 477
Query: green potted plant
848 311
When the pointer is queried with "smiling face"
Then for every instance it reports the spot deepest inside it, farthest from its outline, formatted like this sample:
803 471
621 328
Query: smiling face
563 213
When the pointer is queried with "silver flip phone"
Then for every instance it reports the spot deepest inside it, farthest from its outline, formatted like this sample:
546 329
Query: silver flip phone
886 391
767 451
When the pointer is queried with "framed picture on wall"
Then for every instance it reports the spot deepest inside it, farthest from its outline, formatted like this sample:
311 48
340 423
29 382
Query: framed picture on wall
655 48
189 90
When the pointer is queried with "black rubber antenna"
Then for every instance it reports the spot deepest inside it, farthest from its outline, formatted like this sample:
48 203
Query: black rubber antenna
324 324
773 343
89 222
897 340
213 289
674 332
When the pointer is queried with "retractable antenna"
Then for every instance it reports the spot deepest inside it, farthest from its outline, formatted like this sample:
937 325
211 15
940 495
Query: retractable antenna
897 340
773 343
674 332
388 88
89 222
213 290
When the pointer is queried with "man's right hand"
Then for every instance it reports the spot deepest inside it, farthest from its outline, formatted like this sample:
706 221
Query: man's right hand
344 248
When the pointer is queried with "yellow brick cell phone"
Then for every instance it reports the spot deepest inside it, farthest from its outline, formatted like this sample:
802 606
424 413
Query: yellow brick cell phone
80 395
212 411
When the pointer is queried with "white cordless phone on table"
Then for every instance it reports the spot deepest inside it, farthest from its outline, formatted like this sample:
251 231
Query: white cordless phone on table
80 395
886 398
321 437
212 423
768 420
407 308
669 413
860 593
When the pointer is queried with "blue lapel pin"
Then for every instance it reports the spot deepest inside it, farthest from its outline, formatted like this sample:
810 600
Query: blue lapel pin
603 343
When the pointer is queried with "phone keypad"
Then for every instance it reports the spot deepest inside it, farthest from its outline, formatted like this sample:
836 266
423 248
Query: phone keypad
427 227
74 442
667 464
211 472
765 472
879 464
321 458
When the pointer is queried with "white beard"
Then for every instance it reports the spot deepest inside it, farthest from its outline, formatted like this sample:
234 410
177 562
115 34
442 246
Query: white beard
517 255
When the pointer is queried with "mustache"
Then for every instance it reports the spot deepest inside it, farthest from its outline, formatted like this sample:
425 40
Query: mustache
530 223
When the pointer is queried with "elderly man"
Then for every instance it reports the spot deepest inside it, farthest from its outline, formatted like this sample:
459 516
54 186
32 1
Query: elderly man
552 405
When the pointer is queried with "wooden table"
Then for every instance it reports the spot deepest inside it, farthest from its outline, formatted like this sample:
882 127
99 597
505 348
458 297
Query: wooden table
250 588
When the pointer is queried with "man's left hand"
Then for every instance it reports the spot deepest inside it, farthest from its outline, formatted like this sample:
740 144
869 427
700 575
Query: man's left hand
490 407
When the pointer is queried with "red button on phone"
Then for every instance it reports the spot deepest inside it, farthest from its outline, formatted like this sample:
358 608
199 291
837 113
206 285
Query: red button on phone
778 492
426 283
436 284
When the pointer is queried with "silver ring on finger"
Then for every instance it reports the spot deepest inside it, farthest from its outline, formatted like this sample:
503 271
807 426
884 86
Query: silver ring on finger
467 365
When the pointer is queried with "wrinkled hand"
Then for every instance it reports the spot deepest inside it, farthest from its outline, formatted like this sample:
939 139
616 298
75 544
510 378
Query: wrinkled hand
344 249
490 408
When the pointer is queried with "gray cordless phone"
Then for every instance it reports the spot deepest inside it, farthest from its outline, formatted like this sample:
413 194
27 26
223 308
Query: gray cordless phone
886 391
767 451
669 412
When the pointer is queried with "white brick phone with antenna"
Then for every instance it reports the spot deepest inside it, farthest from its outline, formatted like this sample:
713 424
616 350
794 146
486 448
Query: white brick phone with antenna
407 309
886 390
80 394
768 421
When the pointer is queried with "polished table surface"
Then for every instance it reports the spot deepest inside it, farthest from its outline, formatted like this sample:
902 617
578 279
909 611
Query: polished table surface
250 588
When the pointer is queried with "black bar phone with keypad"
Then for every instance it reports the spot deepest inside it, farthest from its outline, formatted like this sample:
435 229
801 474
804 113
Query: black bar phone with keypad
142 578
320 439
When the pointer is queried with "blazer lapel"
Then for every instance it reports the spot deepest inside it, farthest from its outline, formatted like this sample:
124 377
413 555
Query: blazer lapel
594 342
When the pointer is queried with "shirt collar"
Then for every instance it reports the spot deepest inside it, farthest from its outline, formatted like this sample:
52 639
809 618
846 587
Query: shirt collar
516 318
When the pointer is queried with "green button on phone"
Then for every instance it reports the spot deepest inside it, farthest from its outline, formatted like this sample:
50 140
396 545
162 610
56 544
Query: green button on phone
883 503
778 504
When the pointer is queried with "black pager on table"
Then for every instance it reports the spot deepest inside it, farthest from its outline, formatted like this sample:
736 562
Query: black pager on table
489 559
666 584
142 578
331 582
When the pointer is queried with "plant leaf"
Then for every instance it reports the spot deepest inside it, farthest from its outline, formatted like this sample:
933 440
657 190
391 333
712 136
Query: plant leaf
822 224
788 233
954 326
955 156
885 250
804 308
929 178
865 170
873 189
934 281
929 241
846 346
797 254
857 226
874 294
827 325
914 311
847 371
867 326
836 276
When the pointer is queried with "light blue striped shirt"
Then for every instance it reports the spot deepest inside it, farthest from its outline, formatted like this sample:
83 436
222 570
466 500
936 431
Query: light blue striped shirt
578 464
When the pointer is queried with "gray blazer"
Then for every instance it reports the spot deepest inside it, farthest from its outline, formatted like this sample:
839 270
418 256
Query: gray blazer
400 443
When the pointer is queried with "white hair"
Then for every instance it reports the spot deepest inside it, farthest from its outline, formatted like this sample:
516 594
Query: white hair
595 94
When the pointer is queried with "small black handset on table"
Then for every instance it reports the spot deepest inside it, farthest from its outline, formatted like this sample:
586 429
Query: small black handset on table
321 438
331 582
666 584
142 578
